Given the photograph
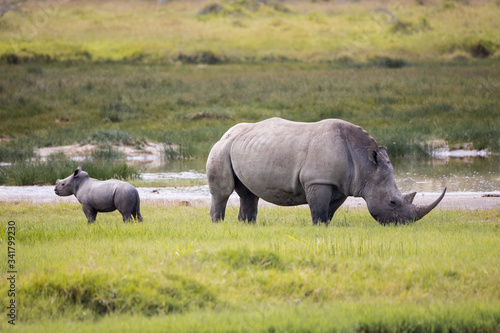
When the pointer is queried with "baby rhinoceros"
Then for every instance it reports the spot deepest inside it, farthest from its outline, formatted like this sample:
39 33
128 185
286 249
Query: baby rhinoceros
101 196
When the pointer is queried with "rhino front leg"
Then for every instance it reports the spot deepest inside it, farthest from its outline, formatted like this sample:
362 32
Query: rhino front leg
319 198
334 205
89 212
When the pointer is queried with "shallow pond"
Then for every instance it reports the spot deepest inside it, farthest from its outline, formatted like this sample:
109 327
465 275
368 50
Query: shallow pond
470 174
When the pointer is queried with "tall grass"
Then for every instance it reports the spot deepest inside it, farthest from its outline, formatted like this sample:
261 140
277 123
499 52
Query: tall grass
179 272
189 108
58 166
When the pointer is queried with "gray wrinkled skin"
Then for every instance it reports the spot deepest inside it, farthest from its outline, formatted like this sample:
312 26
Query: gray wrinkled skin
101 196
320 164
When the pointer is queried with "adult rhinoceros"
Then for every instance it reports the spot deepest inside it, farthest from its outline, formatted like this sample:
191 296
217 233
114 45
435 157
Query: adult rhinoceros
290 163
101 196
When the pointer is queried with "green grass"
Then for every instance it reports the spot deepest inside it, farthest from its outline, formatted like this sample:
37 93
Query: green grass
191 108
306 31
116 71
179 272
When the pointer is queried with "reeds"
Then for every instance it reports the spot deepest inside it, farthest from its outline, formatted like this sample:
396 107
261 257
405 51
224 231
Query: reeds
189 109
101 165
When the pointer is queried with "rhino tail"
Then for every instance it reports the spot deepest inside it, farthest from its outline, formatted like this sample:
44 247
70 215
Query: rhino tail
137 210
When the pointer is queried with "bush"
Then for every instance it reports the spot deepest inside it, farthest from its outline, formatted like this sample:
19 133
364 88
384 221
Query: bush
481 48
202 57
387 62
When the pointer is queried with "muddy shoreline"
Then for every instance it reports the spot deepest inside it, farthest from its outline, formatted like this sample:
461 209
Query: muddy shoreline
200 196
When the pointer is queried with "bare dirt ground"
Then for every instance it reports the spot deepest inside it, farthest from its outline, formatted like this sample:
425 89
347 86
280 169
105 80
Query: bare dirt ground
146 152
200 196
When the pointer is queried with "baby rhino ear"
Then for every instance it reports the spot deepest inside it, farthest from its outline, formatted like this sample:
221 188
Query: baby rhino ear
77 171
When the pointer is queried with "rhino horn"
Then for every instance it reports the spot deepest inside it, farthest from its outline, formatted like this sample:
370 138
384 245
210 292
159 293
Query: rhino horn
424 210
409 197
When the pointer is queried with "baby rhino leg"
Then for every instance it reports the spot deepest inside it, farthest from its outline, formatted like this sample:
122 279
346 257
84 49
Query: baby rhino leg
125 203
89 212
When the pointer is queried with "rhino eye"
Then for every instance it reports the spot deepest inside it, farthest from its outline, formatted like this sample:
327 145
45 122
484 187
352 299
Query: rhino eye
393 202
63 183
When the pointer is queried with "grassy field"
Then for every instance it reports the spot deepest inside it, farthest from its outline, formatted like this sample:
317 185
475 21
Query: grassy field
409 72
191 107
412 73
197 31
179 272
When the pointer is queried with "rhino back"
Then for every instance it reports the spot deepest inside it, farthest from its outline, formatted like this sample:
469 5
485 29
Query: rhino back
101 194
276 159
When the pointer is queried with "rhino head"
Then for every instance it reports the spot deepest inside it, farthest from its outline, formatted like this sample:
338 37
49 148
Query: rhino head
384 200
67 186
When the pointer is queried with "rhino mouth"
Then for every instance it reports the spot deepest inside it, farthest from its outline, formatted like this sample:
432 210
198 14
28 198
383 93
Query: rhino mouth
414 214
56 191
392 220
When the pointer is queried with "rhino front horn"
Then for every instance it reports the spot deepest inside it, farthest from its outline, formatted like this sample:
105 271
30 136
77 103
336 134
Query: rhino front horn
424 210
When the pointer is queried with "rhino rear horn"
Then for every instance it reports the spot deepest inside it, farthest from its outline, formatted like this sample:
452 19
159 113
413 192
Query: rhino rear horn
409 197
424 210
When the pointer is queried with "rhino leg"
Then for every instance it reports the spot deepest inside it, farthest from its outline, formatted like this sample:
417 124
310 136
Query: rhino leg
218 208
319 198
125 202
136 212
334 205
220 195
89 212
220 182
248 203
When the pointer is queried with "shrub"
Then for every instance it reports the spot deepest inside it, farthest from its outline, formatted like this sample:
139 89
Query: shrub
387 62
481 48
202 57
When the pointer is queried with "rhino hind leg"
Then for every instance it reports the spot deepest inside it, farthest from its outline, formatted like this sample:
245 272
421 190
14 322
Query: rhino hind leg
127 217
221 184
128 204
220 196
137 215
248 203
136 211
130 213
318 198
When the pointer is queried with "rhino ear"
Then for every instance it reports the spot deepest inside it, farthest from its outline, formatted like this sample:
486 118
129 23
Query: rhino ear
77 171
372 155
383 152
378 156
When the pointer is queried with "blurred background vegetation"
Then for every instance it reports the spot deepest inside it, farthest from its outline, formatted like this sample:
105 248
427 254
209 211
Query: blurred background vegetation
415 74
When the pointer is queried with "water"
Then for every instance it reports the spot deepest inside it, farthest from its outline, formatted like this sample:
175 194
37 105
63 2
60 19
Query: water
468 178
469 174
